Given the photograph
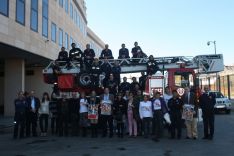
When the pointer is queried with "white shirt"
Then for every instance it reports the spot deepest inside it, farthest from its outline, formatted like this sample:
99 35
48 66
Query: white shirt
157 104
145 109
44 108
83 106
167 97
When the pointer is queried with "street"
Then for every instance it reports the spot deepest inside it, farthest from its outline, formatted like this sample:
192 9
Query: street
221 145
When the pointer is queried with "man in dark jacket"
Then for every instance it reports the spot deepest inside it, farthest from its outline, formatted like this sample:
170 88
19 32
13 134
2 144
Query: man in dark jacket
123 52
75 54
137 51
74 108
116 70
112 85
33 104
63 116
124 86
190 113
207 102
175 105
159 108
89 55
106 69
152 66
106 53
120 111
19 118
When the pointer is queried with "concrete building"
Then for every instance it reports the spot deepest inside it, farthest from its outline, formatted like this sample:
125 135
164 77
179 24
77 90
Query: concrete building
224 82
31 35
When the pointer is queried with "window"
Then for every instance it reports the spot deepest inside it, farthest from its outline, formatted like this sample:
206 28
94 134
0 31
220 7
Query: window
66 6
66 41
71 10
78 20
45 18
34 15
71 40
75 16
60 37
53 32
20 11
61 3
4 7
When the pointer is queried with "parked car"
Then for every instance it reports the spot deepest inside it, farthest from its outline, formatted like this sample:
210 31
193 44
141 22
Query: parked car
222 102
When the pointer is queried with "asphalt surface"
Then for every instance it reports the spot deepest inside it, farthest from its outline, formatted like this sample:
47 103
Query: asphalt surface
221 145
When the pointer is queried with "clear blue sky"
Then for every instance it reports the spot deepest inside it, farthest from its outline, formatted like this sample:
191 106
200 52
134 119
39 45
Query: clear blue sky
165 27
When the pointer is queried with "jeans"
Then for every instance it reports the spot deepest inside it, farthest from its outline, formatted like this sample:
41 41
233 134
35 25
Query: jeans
43 120
146 125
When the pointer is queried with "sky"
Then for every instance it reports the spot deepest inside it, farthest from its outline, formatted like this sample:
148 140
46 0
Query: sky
165 27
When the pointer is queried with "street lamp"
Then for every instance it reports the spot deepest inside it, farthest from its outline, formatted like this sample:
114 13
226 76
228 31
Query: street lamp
216 75
214 42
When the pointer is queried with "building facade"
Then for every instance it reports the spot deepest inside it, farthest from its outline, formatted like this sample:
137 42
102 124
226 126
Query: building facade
31 35
223 82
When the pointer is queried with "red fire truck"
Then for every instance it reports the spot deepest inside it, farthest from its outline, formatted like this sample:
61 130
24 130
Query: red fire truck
176 72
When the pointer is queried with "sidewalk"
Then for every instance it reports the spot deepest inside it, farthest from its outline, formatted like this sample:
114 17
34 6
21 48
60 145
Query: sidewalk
6 124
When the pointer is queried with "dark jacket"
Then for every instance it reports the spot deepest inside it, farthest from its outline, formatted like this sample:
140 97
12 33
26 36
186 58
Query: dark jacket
124 86
120 109
76 54
163 105
152 67
135 51
207 102
192 101
175 106
90 53
123 53
106 53
63 56
74 106
37 104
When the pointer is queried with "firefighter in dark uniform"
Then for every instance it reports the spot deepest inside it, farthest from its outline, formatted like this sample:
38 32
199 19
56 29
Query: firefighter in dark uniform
63 116
124 86
76 54
152 66
96 71
74 108
106 53
116 70
20 115
63 56
106 69
112 85
175 105
207 102
89 55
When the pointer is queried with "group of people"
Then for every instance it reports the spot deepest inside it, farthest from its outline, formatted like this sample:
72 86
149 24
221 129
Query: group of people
126 112
88 61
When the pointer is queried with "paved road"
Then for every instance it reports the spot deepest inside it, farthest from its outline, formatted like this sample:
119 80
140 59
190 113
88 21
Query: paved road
222 144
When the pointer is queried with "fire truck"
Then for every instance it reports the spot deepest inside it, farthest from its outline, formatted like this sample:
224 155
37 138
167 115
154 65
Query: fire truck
175 72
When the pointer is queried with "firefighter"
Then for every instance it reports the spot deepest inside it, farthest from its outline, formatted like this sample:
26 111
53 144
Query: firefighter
96 71
89 55
175 105
76 54
63 116
74 108
152 66
112 85
20 115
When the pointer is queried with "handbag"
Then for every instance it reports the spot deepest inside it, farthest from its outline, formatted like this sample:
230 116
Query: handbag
166 116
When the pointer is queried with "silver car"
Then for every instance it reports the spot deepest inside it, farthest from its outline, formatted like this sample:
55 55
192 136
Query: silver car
222 102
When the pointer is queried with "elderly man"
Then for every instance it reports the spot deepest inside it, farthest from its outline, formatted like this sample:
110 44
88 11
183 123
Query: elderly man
190 113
